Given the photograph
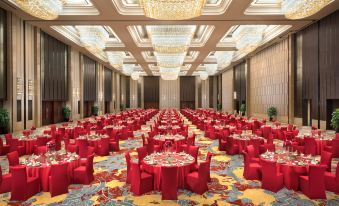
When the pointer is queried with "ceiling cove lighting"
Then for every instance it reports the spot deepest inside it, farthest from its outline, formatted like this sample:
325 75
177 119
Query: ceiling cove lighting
172 9
211 68
171 38
203 75
93 38
299 9
116 59
248 37
43 9
224 58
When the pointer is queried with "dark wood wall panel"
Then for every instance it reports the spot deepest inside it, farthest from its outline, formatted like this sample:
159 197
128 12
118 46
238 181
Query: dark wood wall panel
53 69
128 91
108 85
240 84
90 80
151 92
210 92
328 62
3 56
187 92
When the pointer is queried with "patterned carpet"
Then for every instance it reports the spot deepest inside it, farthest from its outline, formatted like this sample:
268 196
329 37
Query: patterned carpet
228 187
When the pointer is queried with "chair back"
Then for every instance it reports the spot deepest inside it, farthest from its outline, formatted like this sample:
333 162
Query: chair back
83 146
59 174
193 151
128 161
104 144
209 157
266 131
89 163
40 150
335 148
150 145
169 184
8 138
251 151
310 146
316 177
142 153
90 151
135 177
13 145
269 171
256 143
143 140
226 133
326 159
13 158
19 182
41 141
337 136
203 172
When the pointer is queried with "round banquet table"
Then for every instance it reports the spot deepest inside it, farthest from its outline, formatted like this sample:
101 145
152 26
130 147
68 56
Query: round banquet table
43 169
28 143
320 142
244 141
154 162
177 139
292 166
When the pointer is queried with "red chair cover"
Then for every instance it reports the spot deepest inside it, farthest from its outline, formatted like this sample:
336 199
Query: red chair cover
83 144
326 160
313 186
40 150
23 187
169 184
141 182
197 181
5 182
142 153
271 179
251 170
334 148
58 184
332 181
13 158
103 148
193 151
84 174
128 163
310 146
4 149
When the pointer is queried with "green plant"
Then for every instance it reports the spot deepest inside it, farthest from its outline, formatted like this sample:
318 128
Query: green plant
66 112
95 110
4 120
219 106
271 112
242 109
122 107
335 120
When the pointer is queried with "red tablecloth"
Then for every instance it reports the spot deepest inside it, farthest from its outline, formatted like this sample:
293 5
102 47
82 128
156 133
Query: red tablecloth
28 144
243 143
183 170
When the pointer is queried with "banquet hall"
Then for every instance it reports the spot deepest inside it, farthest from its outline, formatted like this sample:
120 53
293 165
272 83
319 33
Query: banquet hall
169 102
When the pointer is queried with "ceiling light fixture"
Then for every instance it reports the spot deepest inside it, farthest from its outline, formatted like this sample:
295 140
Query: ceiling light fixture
43 9
170 60
135 76
172 9
299 9
224 58
248 37
203 75
93 38
116 59
211 68
128 69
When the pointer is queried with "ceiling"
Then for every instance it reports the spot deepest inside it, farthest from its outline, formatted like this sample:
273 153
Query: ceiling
126 23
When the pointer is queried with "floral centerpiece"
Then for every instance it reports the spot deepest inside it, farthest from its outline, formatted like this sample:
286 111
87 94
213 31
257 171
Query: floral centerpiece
51 145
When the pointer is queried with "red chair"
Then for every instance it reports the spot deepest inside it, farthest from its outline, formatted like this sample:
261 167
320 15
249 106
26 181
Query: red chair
222 144
58 183
23 187
128 163
252 154
310 146
197 181
143 140
334 148
141 182
82 144
326 160
84 174
232 148
41 141
151 147
5 182
13 158
169 183
191 140
142 153
103 147
266 131
332 181
193 151
252 171
73 148
14 146
266 147
4 149
272 180
114 143
313 185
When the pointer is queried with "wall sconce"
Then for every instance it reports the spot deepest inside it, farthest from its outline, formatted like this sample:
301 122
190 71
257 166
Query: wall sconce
19 86
234 95
30 88
100 96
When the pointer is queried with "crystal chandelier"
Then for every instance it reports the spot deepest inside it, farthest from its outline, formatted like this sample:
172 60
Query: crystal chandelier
135 75
211 68
169 76
248 37
43 9
298 9
116 59
93 38
203 75
171 38
170 60
224 58
172 9
128 69
169 73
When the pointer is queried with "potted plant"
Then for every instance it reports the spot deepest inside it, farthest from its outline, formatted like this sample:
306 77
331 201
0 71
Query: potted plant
122 107
335 120
272 112
95 110
242 109
66 113
4 121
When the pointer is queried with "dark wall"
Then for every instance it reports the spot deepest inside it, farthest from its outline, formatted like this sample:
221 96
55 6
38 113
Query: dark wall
128 92
151 92
187 92
320 68
210 92
3 56
108 85
240 84
90 80
53 69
